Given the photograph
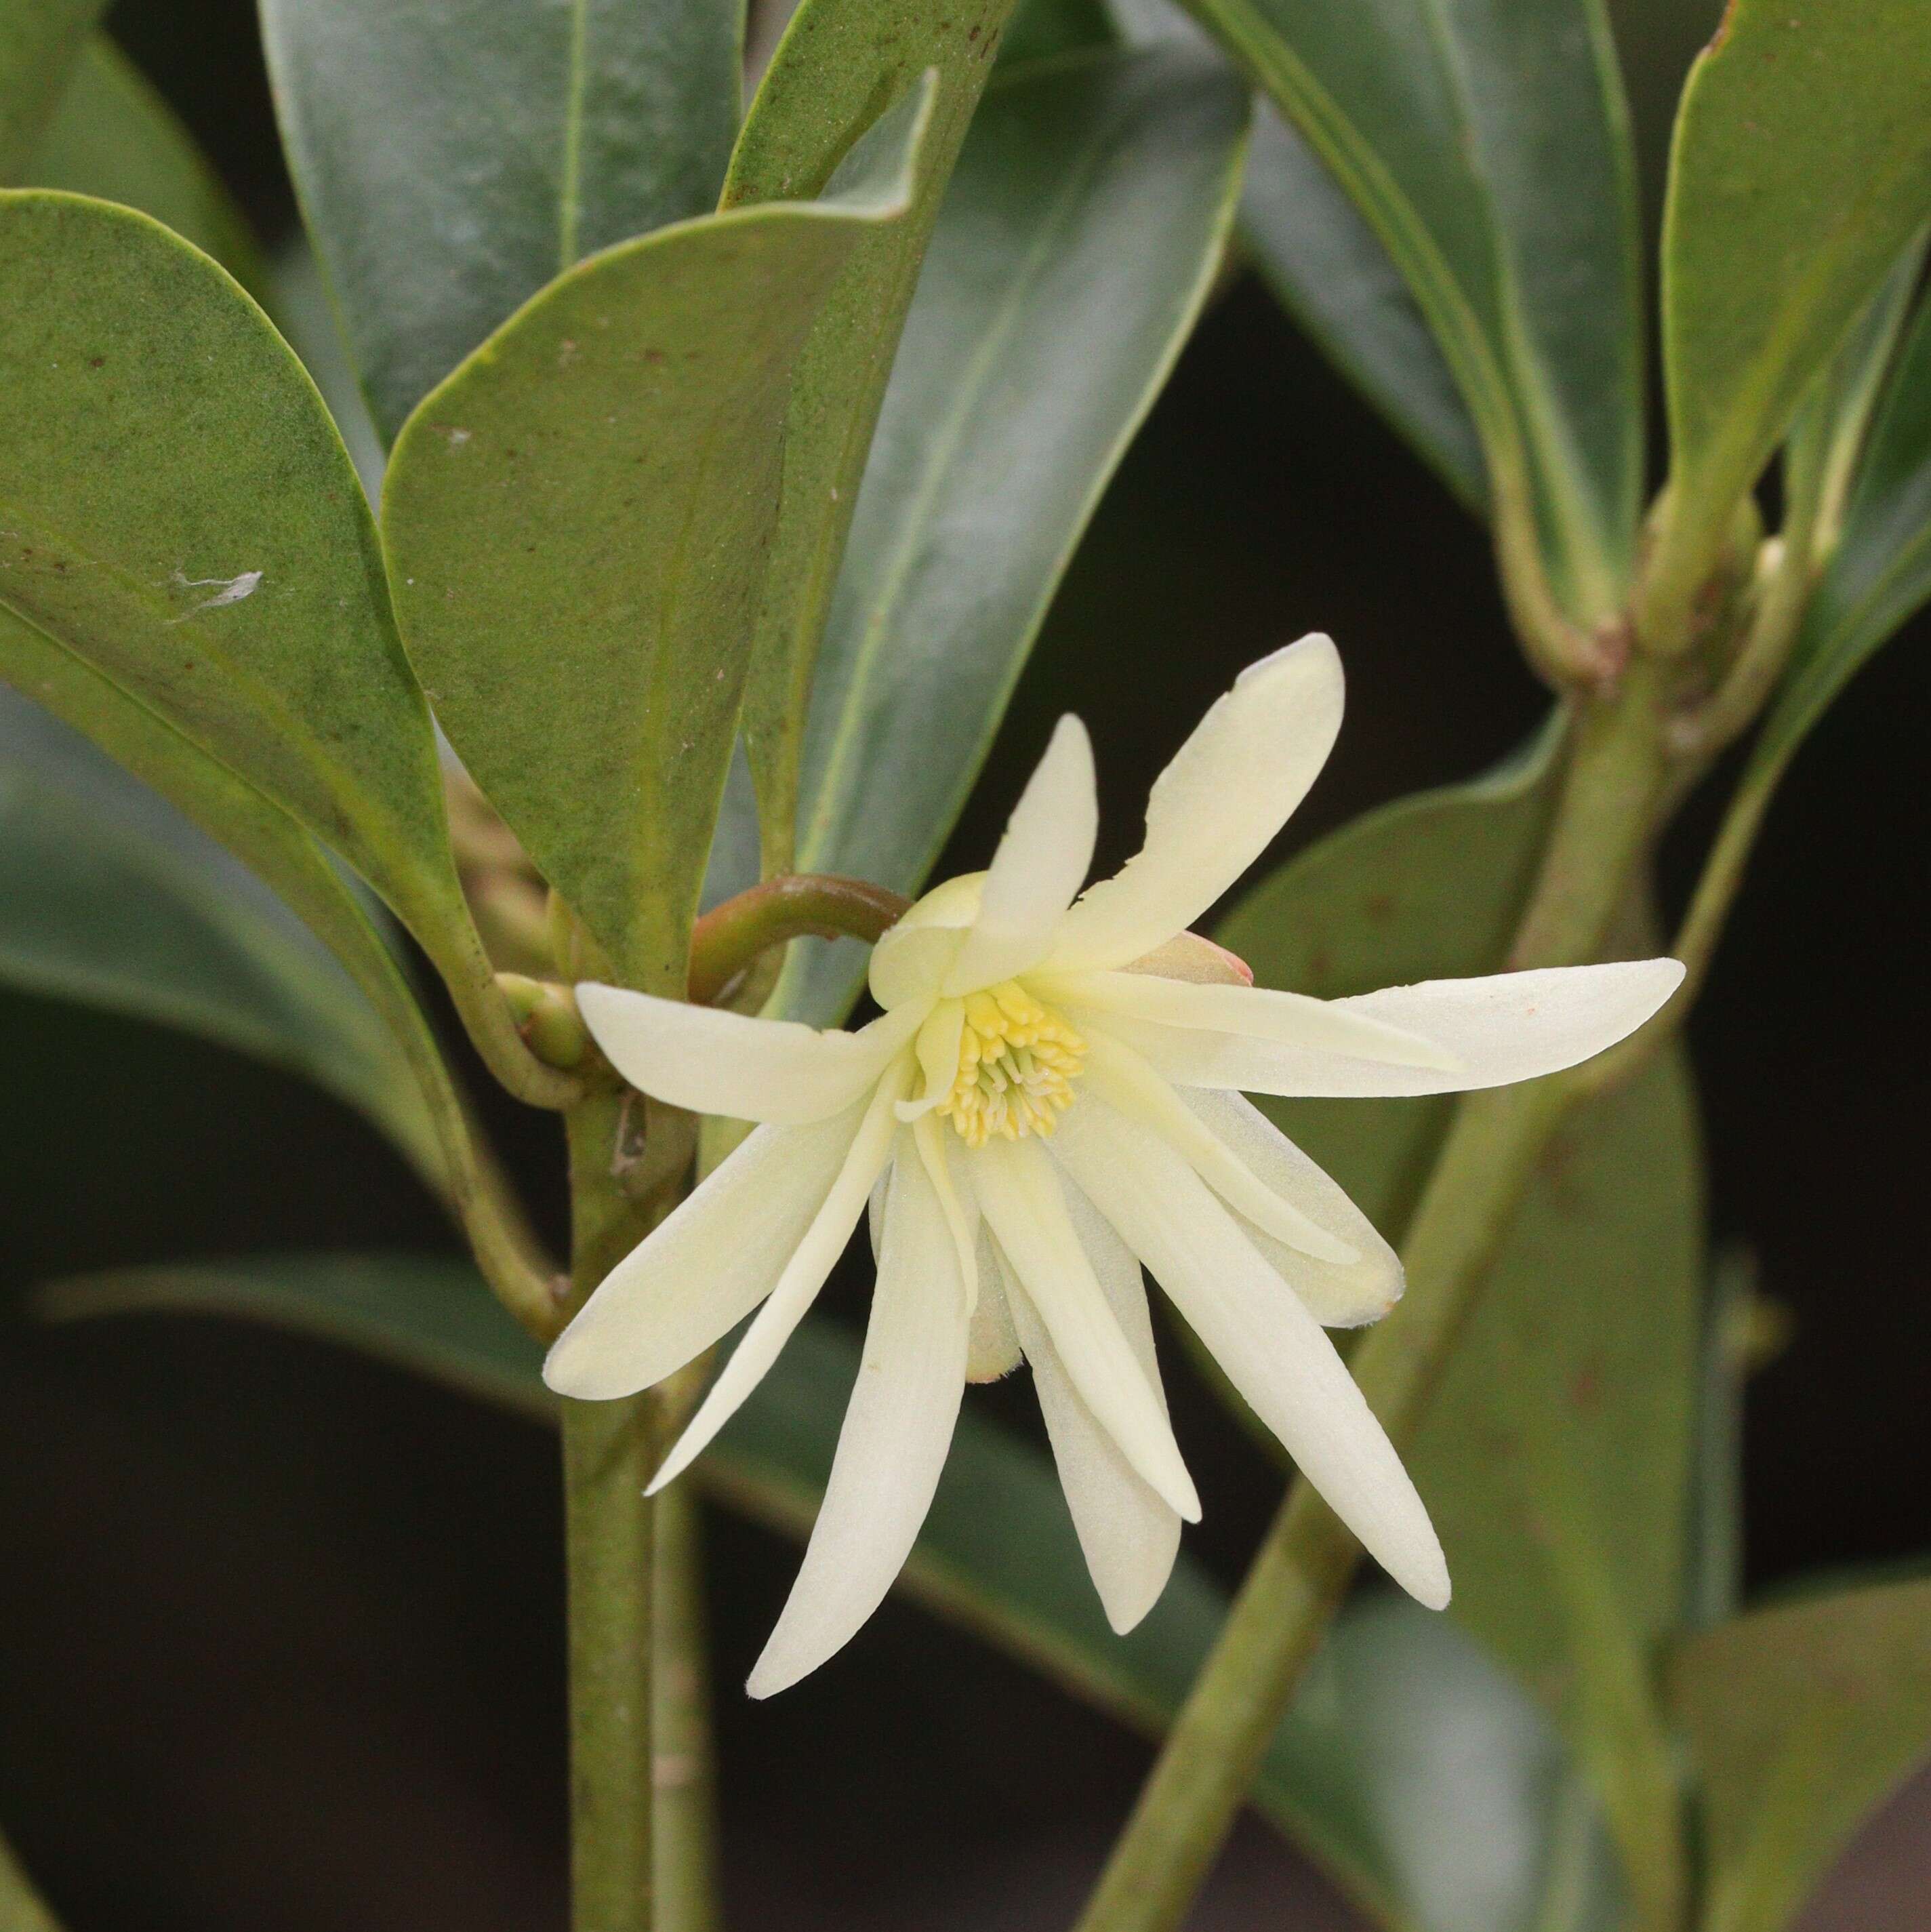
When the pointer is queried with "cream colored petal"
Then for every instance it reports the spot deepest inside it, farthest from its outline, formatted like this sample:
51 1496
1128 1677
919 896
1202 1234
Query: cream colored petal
912 958
909 970
994 1350
1271 1349
716 1062
712 1262
1128 1533
960 1211
936 1049
1196 959
1122 1078
1338 1295
1020 1195
892 1447
1229 789
1515 1026
797 1286
1042 863
1255 1012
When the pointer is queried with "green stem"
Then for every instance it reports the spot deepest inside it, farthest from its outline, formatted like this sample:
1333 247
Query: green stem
21 1907
1598 841
686 1836
794 905
610 1453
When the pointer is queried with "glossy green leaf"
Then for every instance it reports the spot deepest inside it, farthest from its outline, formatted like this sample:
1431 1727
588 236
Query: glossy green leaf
176 509
1398 1701
1879 571
1080 231
453 156
579 521
40 43
110 897
839 59
220 955
428 1314
1801 166
1803 1718
1328 268
1827 440
1590 1312
1486 143
114 137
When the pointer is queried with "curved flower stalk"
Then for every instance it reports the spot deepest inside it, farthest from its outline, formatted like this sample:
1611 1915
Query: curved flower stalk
1050 1100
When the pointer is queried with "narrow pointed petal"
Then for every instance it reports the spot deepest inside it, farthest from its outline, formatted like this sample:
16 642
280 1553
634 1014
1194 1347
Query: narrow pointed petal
1229 789
993 1350
716 1062
706 1267
1128 1532
892 1445
797 1286
1338 1295
1042 863
1019 1195
1122 1078
1254 1013
1514 1026
960 1211
1273 1350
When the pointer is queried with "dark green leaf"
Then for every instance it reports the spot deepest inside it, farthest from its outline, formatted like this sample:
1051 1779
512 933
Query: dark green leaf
453 156
1328 268
1800 167
177 509
1803 1718
1486 143
428 1314
1399 1703
1879 571
110 897
579 521
1081 229
41 41
132 907
114 137
1827 440
1590 1312
838 61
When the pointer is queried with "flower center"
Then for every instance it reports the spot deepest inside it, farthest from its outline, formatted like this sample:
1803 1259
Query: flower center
1017 1061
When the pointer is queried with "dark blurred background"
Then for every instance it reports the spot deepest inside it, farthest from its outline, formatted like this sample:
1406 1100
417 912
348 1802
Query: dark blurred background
280 1637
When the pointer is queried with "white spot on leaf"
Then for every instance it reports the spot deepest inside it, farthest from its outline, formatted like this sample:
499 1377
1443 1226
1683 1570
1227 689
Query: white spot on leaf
227 590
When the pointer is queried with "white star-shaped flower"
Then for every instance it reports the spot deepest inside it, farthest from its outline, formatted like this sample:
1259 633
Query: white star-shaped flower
1050 1101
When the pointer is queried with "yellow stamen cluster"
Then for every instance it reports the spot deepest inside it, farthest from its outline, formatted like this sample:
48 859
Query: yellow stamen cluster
1017 1061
